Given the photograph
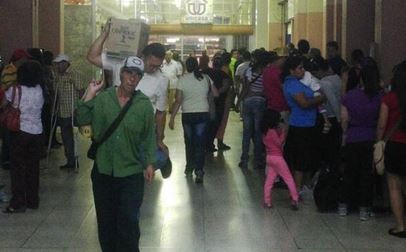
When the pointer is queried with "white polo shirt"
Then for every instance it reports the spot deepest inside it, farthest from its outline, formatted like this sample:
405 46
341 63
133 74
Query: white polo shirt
171 71
155 85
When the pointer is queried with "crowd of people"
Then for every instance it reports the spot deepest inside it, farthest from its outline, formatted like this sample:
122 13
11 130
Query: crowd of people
302 112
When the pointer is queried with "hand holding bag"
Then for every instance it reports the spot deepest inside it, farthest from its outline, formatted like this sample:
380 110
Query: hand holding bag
379 151
10 115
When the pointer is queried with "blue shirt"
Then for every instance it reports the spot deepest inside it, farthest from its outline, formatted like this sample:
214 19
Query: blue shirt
299 117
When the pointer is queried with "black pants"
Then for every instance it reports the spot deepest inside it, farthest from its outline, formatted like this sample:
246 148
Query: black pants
330 144
25 157
5 148
213 126
67 138
358 177
117 202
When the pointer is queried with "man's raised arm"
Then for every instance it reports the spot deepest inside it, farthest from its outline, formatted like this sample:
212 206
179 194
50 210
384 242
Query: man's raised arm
94 55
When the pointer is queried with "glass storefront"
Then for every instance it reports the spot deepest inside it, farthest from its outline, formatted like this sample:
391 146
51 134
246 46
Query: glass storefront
88 16
191 45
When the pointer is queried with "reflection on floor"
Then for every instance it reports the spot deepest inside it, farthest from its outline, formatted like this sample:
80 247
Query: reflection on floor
224 214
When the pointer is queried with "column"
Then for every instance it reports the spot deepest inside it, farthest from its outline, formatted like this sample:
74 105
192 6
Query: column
314 23
51 25
390 30
261 25
276 25
16 29
300 21
358 26
328 22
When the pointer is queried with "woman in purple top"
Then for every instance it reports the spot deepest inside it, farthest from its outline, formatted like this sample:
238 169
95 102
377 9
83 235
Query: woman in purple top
359 117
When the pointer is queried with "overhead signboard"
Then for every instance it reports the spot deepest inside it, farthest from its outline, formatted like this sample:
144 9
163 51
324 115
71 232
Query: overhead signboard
198 11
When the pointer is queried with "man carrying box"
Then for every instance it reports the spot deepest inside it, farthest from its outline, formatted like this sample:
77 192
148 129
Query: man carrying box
153 84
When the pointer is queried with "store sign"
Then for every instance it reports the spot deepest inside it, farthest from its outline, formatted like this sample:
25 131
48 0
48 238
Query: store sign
198 11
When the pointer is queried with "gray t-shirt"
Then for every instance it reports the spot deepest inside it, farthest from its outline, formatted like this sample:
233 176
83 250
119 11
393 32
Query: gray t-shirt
194 93
331 87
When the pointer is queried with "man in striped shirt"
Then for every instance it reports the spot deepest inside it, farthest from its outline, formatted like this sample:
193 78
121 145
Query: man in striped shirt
68 87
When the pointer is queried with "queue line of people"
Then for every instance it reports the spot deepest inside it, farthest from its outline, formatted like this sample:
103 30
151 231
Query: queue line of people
277 103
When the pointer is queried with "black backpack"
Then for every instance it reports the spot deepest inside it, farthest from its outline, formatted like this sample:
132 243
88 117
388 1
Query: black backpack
326 191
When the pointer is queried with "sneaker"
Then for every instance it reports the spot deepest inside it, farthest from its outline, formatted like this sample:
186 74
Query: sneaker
199 179
243 164
188 172
67 166
166 170
3 197
294 205
211 149
342 209
222 146
364 213
268 205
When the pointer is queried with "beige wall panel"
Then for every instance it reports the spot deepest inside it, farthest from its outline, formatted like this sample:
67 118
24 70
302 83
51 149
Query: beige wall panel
314 6
275 36
328 22
338 22
315 29
299 28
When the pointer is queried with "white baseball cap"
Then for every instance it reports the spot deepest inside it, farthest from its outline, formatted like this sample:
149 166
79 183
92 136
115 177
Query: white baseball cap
61 57
133 62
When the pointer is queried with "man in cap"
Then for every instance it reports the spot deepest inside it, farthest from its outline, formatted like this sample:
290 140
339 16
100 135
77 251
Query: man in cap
120 166
68 88
153 84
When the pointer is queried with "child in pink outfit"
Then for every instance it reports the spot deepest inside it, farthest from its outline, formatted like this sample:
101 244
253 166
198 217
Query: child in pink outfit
274 138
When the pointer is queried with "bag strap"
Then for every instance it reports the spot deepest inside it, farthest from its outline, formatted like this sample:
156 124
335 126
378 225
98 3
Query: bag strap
394 128
13 95
255 79
116 121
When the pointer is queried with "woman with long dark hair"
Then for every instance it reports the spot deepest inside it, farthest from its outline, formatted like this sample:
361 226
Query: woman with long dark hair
26 145
359 117
300 149
392 121
192 94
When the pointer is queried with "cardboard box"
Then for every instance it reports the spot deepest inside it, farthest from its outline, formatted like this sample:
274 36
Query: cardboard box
127 37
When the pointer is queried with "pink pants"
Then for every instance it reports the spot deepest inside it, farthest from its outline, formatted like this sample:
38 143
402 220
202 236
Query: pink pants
277 166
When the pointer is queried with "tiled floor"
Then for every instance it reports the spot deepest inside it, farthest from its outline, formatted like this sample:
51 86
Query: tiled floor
224 214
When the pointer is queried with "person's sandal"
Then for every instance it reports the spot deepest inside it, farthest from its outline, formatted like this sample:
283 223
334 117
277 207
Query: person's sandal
10 210
400 234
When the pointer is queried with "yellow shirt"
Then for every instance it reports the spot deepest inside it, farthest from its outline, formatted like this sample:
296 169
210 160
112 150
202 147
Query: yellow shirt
8 76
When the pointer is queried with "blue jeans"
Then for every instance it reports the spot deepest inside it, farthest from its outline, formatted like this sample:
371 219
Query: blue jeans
194 132
253 108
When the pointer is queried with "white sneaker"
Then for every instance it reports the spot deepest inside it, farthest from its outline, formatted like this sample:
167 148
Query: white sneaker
3 197
342 209
365 213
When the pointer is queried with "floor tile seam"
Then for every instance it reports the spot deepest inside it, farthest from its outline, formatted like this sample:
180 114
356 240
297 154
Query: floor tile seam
333 233
203 197
37 228
81 225
287 228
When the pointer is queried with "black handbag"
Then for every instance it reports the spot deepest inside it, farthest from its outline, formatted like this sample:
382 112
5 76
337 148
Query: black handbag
91 153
